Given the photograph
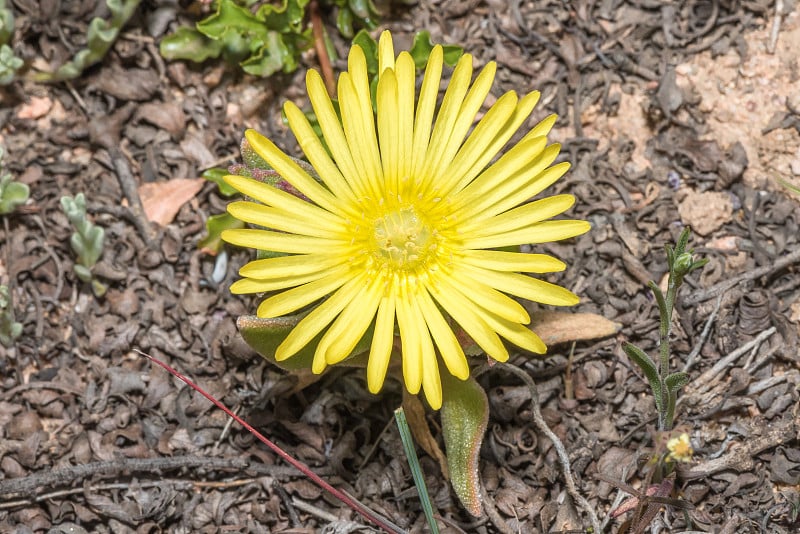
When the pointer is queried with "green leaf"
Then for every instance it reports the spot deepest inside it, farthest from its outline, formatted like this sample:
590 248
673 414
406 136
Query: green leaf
416 469
676 381
82 272
284 18
370 48
217 176
9 64
212 242
188 43
12 194
647 366
422 46
273 56
6 23
230 17
465 414
344 22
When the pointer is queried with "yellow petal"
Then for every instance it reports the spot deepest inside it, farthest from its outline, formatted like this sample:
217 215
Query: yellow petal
516 189
522 159
485 149
316 321
382 342
484 296
464 312
411 341
272 196
520 217
252 285
279 219
431 381
292 172
513 261
388 134
287 266
385 52
449 347
359 130
472 103
294 299
517 334
316 153
426 105
448 113
543 232
525 287
333 133
474 150
405 71
280 242
348 329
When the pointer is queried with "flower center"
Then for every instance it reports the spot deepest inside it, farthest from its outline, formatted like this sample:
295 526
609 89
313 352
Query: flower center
402 240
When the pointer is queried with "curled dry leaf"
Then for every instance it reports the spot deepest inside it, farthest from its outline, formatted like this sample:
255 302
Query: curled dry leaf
556 327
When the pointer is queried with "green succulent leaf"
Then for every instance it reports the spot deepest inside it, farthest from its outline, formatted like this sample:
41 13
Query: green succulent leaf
231 17
273 56
422 46
465 414
215 225
9 64
12 194
289 15
6 23
217 176
344 22
370 48
188 43
83 273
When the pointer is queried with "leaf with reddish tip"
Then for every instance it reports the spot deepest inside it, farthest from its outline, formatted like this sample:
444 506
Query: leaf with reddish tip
465 414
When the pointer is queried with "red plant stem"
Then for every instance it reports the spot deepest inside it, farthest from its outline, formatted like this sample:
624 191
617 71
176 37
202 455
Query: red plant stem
303 468
322 52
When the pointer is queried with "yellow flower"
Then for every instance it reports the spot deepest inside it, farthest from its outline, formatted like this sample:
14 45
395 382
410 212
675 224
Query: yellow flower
680 448
407 221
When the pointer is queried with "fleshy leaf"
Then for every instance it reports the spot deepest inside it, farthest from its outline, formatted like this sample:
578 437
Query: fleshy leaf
212 242
465 414
217 176
422 46
188 43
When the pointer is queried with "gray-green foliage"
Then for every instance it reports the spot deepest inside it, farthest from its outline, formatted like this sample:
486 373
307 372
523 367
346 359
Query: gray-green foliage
9 63
665 385
100 36
10 330
12 194
86 242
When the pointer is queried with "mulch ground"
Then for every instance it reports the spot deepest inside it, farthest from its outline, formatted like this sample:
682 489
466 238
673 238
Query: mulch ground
96 439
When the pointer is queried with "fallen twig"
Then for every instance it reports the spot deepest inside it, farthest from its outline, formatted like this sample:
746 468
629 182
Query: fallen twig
721 287
541 424
31 485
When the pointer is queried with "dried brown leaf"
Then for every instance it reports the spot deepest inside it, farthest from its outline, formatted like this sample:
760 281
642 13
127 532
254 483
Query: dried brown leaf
163 200
556 327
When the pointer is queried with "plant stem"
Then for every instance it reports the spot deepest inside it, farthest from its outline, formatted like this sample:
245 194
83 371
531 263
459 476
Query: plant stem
322 52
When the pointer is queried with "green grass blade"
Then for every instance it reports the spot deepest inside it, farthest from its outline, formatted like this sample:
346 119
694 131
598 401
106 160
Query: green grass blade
416 471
